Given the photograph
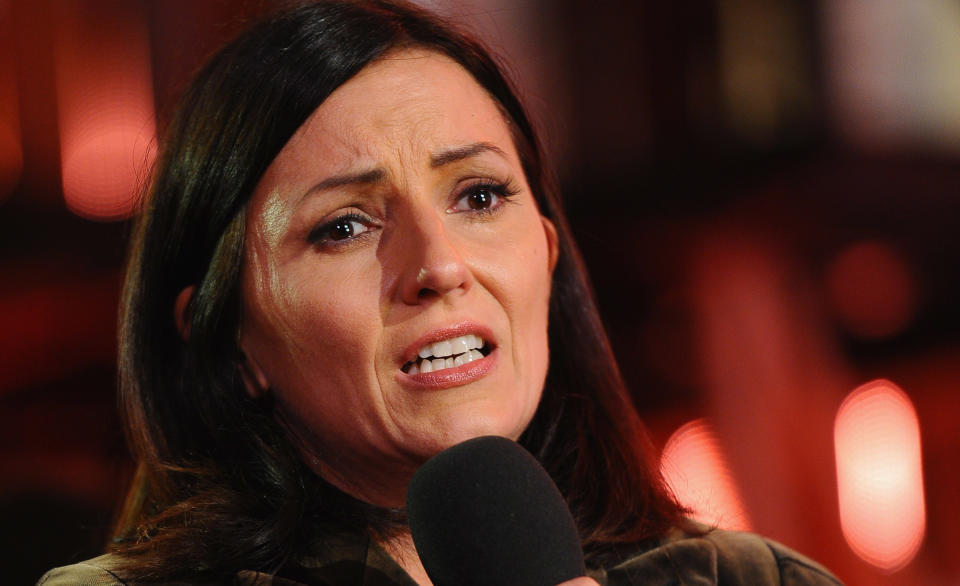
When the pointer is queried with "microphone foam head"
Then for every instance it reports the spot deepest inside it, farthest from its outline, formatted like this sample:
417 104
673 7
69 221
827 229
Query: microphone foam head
485 512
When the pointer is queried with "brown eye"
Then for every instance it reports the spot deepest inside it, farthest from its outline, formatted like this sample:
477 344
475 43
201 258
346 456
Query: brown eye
342 229
481 198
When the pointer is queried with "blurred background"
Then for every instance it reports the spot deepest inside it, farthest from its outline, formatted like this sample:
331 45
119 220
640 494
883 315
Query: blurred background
766 193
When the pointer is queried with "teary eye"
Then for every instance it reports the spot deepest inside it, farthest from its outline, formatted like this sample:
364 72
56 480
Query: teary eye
482 197
341 229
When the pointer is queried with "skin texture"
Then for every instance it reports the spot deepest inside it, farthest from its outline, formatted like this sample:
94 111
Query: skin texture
329 321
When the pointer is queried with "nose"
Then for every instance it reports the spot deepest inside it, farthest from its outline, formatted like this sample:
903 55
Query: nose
433 266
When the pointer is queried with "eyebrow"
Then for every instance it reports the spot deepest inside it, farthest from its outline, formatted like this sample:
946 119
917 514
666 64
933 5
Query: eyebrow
459 153
445 157
370 176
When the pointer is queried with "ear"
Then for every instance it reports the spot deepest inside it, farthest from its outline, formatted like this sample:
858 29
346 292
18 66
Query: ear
553 245
181 317
254 379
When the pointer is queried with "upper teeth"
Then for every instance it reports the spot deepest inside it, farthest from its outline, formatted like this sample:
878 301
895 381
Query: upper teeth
451 347
447 354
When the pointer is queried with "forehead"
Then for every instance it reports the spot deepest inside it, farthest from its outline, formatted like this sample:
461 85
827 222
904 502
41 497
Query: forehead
407 99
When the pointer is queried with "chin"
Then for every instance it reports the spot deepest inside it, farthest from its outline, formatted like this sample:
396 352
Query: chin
455 430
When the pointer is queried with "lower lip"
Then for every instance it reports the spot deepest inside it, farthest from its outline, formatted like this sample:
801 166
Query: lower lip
452 377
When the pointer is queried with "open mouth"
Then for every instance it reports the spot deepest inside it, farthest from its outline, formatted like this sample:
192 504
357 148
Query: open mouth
449 353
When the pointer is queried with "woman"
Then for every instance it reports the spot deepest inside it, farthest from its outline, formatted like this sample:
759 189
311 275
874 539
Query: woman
352 258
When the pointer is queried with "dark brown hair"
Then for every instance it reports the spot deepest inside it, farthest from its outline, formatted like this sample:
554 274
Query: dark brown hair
219 486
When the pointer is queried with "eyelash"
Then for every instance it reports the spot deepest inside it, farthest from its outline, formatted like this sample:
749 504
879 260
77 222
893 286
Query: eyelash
502 190
322 234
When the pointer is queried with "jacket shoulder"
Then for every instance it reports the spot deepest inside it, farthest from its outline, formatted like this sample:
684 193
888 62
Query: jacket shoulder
92 572
713 556
103 571
744 556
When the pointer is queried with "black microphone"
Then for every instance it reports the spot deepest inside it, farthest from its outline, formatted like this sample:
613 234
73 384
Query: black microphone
485 513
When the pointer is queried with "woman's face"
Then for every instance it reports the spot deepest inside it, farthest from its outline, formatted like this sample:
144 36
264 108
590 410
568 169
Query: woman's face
397 224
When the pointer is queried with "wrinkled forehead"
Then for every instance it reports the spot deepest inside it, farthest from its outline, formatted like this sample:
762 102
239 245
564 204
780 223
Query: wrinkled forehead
410 102
393 120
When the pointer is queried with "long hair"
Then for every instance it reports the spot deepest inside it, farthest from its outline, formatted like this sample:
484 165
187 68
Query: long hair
219 486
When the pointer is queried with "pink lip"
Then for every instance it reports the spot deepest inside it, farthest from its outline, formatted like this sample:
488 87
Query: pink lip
451 377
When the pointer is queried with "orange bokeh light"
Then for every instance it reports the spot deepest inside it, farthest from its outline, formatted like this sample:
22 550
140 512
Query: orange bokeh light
879 475
695 468
105 106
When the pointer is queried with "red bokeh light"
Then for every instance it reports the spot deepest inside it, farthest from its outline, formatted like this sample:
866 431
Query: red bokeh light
871 289
11 153
696 470
879 475
106 113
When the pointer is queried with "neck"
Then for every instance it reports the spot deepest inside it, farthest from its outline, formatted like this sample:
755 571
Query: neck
381 486
401 549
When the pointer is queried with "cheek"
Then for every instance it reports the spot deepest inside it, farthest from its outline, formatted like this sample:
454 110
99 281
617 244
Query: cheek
321 334
324 377
523 266
518 273
536 295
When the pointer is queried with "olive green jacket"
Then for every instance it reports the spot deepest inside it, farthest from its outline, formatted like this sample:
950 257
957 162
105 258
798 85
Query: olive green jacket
714 558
